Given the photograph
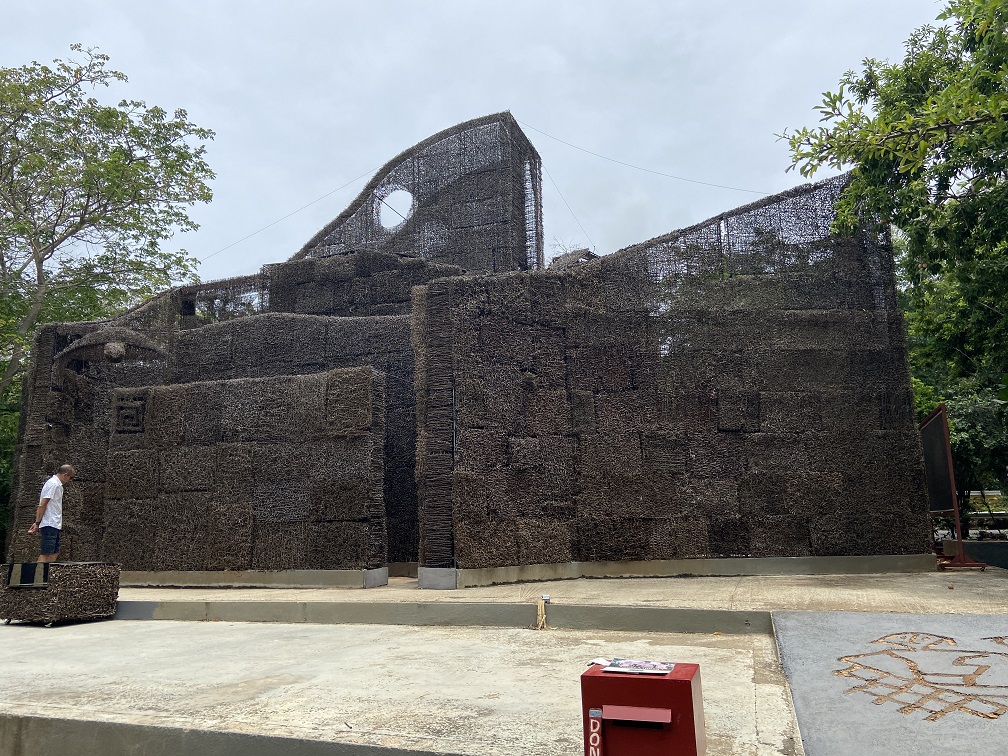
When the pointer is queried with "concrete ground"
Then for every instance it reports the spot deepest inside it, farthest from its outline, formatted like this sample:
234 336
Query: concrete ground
961 592
397 670
459 690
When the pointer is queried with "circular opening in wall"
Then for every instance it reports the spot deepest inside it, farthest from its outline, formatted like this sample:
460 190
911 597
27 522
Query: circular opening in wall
394 209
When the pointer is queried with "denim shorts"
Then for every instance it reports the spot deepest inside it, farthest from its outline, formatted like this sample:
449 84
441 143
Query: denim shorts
50 540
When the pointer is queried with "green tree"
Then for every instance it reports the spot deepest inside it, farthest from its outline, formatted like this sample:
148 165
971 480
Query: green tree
927 138
88 191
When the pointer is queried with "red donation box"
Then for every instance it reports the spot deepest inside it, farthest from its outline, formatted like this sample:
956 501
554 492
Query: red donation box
644 709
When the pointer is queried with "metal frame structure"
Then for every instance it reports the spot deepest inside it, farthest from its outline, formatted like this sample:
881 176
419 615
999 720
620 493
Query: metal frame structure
938 418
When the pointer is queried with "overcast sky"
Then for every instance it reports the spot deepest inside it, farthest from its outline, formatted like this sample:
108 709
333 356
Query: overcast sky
306 96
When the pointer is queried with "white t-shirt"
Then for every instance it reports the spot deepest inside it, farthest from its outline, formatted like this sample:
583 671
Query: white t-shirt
52 490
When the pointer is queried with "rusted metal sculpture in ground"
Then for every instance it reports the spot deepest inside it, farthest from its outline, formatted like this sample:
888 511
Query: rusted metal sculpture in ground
426 391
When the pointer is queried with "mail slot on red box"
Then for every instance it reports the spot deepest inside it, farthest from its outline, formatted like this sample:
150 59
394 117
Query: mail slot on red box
638 708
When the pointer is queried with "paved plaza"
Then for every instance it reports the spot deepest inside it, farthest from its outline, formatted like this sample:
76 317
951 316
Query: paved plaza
397 670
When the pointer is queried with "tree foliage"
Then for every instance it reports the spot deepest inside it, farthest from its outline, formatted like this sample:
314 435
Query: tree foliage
927 138
88 191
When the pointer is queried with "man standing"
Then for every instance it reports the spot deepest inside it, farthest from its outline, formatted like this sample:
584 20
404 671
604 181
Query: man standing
49 514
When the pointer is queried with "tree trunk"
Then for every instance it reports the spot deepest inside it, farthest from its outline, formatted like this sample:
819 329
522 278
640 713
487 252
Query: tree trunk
28 324
13 368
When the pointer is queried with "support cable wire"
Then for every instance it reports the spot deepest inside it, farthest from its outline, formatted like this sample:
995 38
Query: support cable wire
295 212
382 200
569 208
523 123
639 168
